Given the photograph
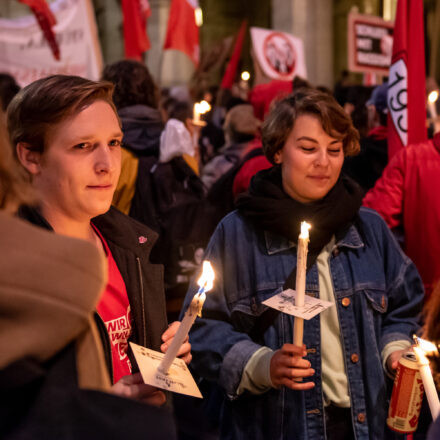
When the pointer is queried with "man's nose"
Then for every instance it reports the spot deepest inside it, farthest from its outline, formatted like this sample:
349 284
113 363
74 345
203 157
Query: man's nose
104 160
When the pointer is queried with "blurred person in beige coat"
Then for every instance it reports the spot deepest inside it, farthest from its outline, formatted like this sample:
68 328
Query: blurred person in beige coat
52 368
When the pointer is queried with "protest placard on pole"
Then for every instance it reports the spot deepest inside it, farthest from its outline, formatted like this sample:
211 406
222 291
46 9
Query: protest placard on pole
279 54
370 43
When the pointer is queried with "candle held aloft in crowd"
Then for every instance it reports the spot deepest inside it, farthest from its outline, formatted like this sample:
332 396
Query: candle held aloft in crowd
205 282
432 104
301 268
200 108
245 75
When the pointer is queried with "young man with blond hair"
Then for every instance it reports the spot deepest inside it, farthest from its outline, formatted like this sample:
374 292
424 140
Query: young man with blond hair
66 133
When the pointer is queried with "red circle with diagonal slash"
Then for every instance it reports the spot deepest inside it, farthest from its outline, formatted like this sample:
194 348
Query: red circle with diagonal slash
280 54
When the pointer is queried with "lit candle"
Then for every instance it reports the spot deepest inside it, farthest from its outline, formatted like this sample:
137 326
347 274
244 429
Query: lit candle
301 267
432 99
196 113
245 75
200 108
205 107
421 348
195 308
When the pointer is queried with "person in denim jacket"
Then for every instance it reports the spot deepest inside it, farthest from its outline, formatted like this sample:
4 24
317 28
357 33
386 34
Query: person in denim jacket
335 386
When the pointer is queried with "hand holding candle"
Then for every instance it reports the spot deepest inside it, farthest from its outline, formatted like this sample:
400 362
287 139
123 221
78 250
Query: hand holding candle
422 348
200 108
184 352
195 308
301 267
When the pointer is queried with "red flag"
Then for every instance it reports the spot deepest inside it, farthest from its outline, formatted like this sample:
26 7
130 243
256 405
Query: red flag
46 21
406 83
182 31
135 14
231 69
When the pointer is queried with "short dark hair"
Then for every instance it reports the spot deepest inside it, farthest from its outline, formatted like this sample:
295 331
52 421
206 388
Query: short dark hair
48 101
335 122
181 111
133 83
8 89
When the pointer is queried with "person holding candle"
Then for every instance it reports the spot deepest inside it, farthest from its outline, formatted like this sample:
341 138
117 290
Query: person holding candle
67 136
53 380
334 386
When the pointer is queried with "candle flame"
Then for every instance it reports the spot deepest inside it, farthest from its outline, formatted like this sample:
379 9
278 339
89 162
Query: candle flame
433 96
198 14
426 346
202 107
305 230
205 107
245 75
206 280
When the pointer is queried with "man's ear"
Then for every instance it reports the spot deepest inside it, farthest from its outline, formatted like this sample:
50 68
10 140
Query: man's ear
29 158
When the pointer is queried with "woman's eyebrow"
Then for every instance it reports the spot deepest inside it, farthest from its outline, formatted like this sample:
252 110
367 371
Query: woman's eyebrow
306 138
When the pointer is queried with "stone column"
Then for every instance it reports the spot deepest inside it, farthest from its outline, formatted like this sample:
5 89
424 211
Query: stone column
109 21
312 21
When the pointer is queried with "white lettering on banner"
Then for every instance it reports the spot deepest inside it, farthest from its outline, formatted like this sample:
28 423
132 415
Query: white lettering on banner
36 41
364 43
366 30
398 98
374 59
25 54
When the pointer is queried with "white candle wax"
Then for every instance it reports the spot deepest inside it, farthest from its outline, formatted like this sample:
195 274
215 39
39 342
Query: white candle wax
196 112
432 110
428 382
301 267
191 313
205 282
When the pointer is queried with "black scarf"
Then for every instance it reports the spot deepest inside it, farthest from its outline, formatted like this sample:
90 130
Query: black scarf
269 208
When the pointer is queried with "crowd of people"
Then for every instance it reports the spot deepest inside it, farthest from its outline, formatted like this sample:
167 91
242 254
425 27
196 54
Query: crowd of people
112 196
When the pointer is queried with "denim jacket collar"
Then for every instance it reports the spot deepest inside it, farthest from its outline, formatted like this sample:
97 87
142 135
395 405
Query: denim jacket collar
276 243
351 239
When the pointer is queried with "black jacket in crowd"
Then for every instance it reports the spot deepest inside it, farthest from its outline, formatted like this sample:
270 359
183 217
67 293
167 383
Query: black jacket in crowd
44 402
143 280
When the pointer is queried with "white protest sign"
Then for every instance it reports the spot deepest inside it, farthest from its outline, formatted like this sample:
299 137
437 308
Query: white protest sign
370 43
279 54
178 379
285 302
26 55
